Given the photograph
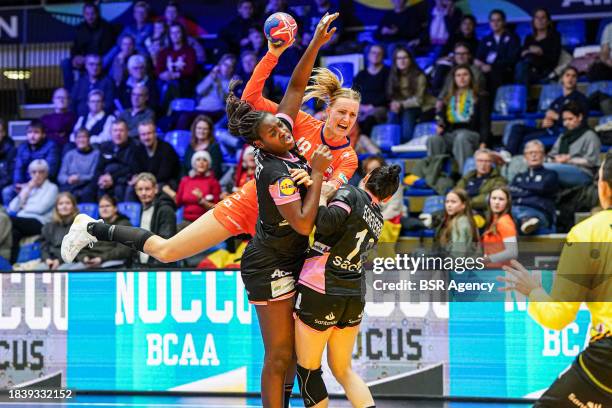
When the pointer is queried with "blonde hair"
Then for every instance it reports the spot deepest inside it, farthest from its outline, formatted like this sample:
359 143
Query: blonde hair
327 87
56 217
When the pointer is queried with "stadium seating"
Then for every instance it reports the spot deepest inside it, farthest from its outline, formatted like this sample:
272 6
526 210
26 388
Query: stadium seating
469 165
5 265
29 252
179 139
508 128
179 215
182 105
346 71
510 101
90 209
573 32
605 119
131 209
386 135
549 93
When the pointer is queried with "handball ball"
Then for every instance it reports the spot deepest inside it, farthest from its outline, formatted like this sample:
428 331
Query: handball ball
280 28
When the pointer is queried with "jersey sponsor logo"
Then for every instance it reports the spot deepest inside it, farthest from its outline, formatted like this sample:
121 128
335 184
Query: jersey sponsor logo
342 177
279 274
330 316
347 265
328 172
346 155
373 222
286 187
572 397
282 286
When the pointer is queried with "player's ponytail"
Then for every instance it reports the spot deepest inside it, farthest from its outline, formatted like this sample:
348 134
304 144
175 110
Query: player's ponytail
327 87
384 181
242 119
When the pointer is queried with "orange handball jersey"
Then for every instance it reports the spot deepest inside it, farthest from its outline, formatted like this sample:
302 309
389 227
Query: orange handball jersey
238 212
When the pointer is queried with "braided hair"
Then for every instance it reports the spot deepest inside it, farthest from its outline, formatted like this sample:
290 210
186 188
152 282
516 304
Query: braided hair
384 181
243 119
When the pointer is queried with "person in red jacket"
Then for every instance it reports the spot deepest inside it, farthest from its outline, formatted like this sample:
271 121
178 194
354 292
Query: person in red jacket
199 191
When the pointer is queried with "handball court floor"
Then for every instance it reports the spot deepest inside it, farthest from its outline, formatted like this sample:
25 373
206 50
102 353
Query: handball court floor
106 401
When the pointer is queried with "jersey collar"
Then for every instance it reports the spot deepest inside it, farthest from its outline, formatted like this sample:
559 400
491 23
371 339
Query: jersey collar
348 142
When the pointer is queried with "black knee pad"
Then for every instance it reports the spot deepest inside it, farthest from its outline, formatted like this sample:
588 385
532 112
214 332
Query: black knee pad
311 385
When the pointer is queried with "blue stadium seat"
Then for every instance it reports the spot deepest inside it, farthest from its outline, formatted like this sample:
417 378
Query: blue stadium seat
5 265
179 215
549 93
508 128
386 135
469 165
418 192
603 86
573 32
605 119
433 204
424 129
424 62
602 26
182 105
523 30
131 209
482 30
90 209
345 69
179 139
29 252
510 101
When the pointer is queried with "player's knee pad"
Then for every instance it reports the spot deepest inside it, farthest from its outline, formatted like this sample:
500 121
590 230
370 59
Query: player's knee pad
311 385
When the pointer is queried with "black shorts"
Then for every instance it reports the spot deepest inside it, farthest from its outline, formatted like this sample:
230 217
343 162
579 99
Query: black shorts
268 277
320 311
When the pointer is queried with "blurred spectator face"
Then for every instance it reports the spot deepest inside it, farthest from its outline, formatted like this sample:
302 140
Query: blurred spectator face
463 78
245 9
569 79
139 97
496 22
171 14
257 39
371 165
248 62
35 135
249 161
93 65
176 35
467 27
107 210
140 15
90 15
571 121
64 206
119 133
146 191
95 104
375 55
226 67
453 204
275 5
202 131
534 155
127 45
82 141
498 201
60 99
484 164
201 165
159 29
402 60
138 71
38 175
147 135
342 115
462 55
540 20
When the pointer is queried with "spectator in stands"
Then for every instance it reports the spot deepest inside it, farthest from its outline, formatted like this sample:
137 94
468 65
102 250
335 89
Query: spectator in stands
158 40
176 65
118 65
87 83
116 161
406 88
457 232
96 121
107 254
58 125
552 124
6 235
37 147
275 6
157 214
139 30
466 35
7 158
445 20
541 50
481 181
139 112
575 154
459 119
533 191
53 232
442 80
203 139
199 191
499 239
601 70
318 8
369 82
33 204
257 42
403 23
93 36
137 75
248 60
498 52
236 33
244 171
155 156
79 169
172 16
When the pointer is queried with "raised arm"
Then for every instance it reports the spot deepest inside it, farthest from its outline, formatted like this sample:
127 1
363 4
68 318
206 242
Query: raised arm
292 100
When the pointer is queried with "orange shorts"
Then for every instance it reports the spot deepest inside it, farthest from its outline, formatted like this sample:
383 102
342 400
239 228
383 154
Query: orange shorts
238 212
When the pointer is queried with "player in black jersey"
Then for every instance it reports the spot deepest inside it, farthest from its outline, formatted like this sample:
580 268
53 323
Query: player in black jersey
330 286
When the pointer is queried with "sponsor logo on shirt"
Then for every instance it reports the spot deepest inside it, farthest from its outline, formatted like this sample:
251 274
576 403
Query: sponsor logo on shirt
279 274
282 286
330 316
286 187
342 177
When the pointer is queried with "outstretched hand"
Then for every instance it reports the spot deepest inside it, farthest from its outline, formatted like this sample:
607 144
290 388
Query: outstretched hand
322 33
519 279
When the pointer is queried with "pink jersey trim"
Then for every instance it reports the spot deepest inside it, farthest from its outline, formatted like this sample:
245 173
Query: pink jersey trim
286 117
280 199
313 273
342 205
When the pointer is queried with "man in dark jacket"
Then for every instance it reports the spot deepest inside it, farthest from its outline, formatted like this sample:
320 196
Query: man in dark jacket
115 163
36 147
481 181
87 83
158 213
533 192
7 158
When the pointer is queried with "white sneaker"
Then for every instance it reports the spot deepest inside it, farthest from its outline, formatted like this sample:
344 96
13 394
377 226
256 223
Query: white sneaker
77 238
530 225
